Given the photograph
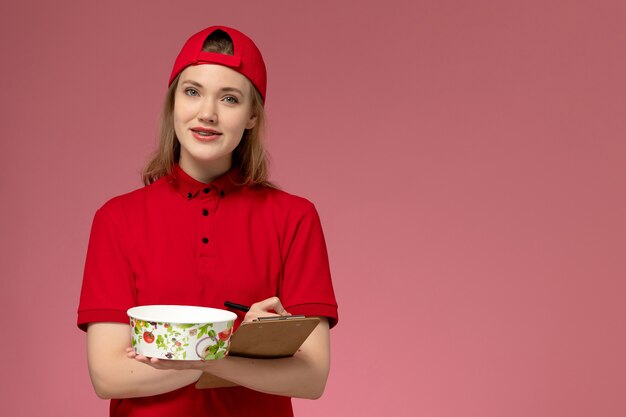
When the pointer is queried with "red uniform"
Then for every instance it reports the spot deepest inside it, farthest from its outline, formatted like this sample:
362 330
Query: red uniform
179 241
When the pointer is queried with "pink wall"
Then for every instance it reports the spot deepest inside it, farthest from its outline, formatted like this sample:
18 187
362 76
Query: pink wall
467 158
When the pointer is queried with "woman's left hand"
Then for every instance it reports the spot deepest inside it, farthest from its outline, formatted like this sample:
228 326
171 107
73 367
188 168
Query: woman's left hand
167 364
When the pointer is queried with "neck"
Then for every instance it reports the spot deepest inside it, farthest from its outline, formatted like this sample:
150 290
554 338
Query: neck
205 172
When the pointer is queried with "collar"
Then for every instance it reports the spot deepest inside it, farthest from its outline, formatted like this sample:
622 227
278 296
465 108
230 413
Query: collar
189 187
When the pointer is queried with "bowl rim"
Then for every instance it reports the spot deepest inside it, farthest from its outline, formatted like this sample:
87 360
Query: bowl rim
136 313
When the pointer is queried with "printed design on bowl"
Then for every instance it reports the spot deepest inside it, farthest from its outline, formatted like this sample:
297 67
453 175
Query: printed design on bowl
173 340
214 345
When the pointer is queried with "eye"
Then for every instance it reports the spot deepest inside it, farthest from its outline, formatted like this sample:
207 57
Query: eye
192 92
231 99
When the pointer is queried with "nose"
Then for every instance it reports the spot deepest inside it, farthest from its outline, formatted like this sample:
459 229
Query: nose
208 113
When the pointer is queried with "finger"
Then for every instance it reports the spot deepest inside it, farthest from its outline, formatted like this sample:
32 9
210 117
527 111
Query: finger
142 359
253 315
153 362
279 309
175 365
271 304
263 305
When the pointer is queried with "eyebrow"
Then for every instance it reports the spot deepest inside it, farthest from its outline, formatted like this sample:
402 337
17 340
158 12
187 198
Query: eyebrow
224 89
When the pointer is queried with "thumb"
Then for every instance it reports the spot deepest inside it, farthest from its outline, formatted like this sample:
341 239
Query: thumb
274 304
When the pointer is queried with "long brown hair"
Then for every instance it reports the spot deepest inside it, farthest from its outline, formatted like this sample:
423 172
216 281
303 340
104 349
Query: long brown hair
249 156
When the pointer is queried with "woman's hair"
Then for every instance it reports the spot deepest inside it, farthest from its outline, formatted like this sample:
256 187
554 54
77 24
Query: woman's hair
249 156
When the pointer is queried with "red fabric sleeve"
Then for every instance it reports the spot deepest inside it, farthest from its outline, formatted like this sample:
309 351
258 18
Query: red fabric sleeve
307 286
108 287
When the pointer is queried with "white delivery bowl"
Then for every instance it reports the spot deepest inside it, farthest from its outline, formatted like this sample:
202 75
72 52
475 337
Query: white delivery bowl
181 332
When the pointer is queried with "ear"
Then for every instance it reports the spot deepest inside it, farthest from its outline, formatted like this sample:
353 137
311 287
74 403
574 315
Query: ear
251 122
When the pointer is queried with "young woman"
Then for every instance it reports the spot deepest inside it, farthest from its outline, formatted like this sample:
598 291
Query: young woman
207 227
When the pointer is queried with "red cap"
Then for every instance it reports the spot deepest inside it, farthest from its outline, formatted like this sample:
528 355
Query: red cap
247 59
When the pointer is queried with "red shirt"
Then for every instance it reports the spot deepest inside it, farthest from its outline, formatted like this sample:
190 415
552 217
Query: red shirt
179 241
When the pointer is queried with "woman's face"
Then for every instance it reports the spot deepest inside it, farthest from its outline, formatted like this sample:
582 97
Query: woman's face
212 108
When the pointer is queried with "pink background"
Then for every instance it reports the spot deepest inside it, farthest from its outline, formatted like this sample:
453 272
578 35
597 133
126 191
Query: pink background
467 159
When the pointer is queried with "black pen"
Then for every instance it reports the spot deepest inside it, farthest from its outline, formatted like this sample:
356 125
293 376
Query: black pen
236 306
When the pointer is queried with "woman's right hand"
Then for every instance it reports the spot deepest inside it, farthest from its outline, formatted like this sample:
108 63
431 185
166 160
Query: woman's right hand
268 307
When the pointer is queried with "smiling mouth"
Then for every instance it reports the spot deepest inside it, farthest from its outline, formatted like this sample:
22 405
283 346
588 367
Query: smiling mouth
206 132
